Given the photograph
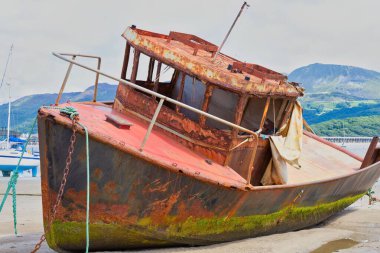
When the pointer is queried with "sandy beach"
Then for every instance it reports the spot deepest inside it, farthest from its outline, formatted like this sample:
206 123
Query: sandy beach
357 229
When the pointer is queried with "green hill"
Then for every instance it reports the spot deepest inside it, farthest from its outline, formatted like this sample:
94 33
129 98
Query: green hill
356 126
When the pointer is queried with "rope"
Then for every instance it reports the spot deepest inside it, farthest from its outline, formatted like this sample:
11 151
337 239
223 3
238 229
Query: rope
88 189
13 181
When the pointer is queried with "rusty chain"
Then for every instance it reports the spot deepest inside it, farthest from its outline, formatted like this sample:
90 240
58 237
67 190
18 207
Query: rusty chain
62 186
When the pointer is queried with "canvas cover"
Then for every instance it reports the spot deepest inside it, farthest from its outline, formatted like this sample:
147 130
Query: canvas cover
286 149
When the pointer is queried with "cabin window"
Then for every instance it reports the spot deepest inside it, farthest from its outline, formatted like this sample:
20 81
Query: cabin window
223 105
151 74
254 110
192 95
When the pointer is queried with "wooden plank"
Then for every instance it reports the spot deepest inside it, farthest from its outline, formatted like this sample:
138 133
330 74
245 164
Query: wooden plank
371 154
157 79
265 113
206 103
118 121
125 61
135 67
150 70
181 88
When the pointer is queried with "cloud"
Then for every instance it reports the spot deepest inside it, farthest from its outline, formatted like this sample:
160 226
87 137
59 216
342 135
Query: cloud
279 34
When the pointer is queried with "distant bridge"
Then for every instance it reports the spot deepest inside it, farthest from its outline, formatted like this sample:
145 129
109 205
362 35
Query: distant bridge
340 139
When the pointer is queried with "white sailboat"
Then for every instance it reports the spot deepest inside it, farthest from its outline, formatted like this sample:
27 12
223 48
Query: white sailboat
10 155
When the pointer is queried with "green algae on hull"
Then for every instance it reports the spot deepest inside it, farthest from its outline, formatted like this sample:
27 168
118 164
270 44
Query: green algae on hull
195 231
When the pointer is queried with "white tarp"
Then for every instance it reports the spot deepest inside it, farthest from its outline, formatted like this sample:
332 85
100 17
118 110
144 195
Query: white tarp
286 148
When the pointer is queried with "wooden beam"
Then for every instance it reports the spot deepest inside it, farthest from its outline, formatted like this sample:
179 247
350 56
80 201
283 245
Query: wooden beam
181 88
157 79
150 70
280 112
265 113
288 111
240 107
125 61
135 67
371 155
206 103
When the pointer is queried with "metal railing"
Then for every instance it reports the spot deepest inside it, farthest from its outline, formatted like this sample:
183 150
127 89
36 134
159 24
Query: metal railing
69 71
155 94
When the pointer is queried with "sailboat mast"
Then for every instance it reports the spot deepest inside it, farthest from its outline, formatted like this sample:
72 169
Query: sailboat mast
9 116
9 95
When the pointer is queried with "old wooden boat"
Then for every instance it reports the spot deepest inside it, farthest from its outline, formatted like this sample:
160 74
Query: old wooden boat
181 161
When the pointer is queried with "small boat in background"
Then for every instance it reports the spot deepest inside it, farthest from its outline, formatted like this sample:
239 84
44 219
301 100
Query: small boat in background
11 148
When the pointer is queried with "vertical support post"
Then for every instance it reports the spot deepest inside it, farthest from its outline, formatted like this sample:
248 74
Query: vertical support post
157 79
280 112
181 88
206 103
252 160
288 110
242 103
150 70
152 122
97 80
125 61
264 113
369 156
240 107
135 67
64 81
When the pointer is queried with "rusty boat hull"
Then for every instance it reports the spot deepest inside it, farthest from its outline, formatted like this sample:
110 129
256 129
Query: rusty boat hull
138 203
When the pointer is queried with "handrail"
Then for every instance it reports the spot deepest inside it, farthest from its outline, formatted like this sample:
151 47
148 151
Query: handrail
69 70
61 56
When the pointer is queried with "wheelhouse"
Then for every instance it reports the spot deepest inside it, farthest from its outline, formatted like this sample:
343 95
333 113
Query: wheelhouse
184 67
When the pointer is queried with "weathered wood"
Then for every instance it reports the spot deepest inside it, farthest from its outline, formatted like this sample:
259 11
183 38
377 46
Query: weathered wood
289 109
135 67
242 103
265 112
157 79
371 155
150 70
281 111
125 61
181 88
206 103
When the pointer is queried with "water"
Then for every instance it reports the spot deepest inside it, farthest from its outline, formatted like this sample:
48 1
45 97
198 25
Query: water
333 246
357 148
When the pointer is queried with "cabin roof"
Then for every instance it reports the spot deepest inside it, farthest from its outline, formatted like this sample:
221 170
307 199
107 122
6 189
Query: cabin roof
194 56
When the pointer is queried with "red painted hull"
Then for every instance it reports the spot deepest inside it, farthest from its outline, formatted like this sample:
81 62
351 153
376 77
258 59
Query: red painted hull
138 202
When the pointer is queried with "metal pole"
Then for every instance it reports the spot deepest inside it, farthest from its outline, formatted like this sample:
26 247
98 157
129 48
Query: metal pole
170 100
6 65
229 31
96 81
152 122
9 116
64 81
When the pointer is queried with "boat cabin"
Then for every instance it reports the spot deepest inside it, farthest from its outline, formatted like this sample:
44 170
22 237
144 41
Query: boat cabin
185 68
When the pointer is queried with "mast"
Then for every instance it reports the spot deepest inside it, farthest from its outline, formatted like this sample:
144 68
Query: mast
9 115
245 4
9 95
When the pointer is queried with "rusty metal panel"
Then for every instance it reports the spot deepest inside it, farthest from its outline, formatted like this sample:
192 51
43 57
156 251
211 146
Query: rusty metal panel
181 56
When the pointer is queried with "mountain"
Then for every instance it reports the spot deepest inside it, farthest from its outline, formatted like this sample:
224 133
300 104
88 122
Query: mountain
25 109
327 78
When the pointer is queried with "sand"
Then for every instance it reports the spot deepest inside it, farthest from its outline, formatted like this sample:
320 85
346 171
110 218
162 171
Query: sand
359 222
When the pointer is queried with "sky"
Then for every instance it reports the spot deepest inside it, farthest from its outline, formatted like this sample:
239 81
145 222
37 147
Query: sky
280 34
